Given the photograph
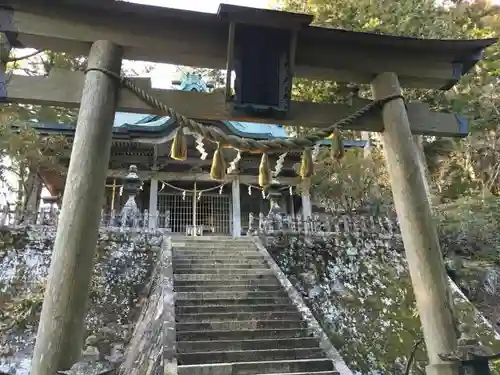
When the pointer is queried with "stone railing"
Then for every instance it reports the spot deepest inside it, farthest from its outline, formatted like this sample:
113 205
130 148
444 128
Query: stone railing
324 225
152 347
114 220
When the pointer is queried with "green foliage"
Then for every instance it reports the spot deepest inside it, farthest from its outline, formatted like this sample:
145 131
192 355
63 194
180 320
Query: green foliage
464 174
469 227
465 166
23 151
358 287
352 183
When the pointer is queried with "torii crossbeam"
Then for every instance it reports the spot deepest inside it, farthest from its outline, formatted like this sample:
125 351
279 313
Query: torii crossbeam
200 39
265 49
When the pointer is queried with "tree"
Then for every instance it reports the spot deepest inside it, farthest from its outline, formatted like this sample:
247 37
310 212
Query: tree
28 154
351 184
24 152
456 166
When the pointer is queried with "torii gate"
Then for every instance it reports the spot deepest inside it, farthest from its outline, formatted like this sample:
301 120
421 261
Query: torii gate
234 39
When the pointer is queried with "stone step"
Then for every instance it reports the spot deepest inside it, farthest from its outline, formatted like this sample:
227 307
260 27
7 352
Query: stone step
218 261
271 281
209 309
209 317
226 288
218 257
212 265
232 302
219 238
252 368
251 334
256 344
213 245
229 277
239 325
235 356
193 251
224 271
203 253
182 296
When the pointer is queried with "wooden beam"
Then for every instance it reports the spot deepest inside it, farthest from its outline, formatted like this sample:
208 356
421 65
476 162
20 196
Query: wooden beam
205 177
199 39
5 48
63 88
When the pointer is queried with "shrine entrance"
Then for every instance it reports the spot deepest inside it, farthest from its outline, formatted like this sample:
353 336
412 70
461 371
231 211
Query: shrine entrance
202 205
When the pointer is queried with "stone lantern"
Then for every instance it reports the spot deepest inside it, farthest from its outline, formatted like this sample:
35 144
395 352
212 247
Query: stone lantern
132 184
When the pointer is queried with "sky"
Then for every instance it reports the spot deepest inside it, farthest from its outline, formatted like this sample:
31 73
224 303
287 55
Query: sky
163 74
208 6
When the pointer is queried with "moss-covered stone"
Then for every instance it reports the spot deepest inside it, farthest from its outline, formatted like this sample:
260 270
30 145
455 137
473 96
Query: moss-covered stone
123 266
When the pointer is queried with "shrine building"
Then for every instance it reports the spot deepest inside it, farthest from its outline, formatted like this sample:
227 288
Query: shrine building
181 194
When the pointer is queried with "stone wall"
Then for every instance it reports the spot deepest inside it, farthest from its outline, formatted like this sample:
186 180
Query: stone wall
152 348
355 280
123 267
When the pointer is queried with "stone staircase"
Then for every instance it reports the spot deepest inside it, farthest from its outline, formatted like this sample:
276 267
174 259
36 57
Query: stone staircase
233 317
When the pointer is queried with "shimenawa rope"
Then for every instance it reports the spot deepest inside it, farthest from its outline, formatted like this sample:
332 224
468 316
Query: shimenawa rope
218 169
246 144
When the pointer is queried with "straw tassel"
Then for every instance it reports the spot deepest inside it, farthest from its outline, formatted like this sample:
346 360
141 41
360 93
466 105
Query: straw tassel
307 164
219 165
178 151
337 145
265 171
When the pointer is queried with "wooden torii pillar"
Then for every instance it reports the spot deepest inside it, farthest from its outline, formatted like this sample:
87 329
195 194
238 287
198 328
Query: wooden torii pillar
61 328
419 234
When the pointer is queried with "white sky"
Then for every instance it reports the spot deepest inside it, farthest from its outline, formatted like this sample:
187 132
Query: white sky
162 74
208 6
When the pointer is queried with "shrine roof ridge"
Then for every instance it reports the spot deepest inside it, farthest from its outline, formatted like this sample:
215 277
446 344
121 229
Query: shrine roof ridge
124 133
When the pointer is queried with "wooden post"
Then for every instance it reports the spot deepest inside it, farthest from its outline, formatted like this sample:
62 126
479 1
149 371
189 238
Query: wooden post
5 48
153 204
61 330
367 150
33 199
113 195
420 239
306 200
195 201
236 199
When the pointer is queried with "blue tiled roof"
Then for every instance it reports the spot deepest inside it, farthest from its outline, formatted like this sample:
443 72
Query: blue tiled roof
136 125
194 82
122 118
258 130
